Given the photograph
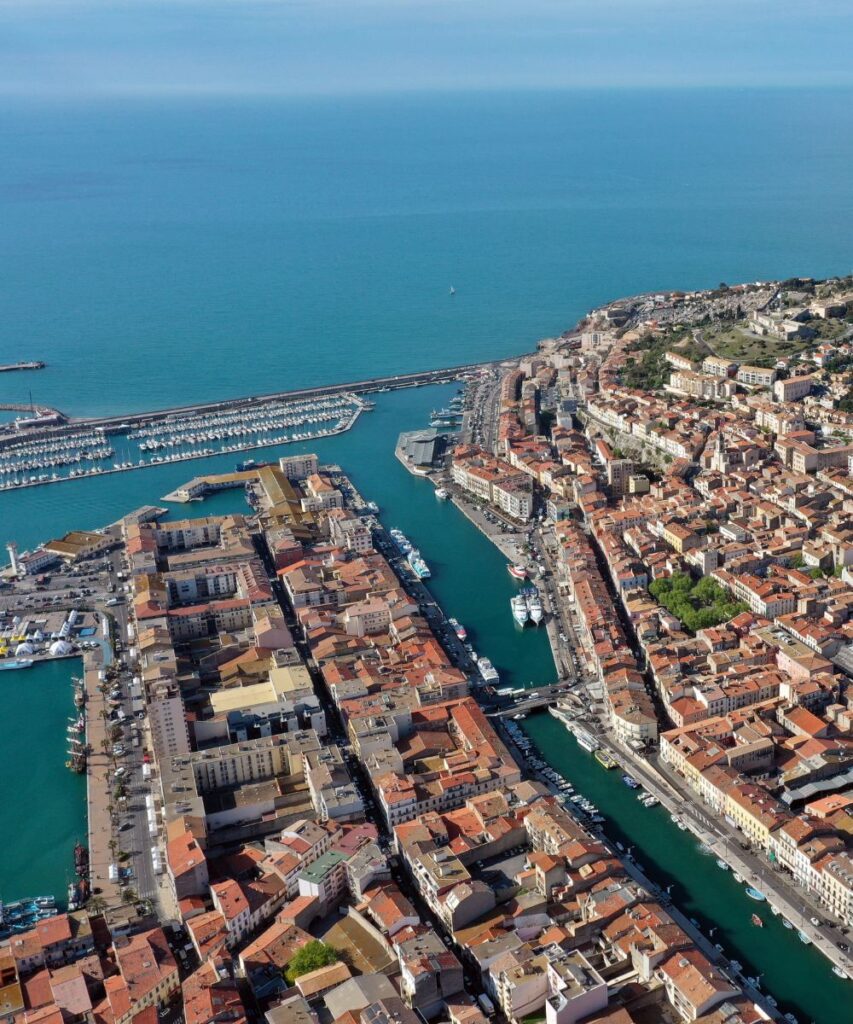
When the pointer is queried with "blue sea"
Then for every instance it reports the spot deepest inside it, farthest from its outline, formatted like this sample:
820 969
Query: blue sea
156 252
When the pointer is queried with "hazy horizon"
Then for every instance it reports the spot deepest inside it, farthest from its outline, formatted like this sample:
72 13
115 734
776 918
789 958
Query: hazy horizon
291 48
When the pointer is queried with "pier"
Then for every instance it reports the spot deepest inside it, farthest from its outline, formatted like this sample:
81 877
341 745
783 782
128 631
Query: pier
368 386
35 364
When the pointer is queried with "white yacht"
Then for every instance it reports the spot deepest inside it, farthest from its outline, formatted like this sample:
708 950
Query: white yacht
487 671
519 609
534 608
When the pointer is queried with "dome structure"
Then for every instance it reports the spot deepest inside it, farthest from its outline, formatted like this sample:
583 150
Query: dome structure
60 647
24 649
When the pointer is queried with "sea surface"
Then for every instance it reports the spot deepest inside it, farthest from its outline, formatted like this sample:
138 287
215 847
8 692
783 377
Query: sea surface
156 254
163 252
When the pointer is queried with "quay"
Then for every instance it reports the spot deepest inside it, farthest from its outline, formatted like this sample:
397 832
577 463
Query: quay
98 793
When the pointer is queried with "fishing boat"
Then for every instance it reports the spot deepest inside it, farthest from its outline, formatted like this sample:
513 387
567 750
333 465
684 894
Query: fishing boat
458 629
756 920
754 894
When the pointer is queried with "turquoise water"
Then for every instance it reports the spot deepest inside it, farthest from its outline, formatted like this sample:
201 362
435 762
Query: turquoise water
42 813
798 976
159 252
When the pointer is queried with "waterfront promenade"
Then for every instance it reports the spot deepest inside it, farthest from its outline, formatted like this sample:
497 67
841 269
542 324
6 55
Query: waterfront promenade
98 797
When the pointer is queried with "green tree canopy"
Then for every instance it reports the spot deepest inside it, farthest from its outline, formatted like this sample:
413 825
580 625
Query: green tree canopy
311 957
698 605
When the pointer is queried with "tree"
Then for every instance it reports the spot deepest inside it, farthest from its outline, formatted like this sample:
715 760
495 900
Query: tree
311 957
96 905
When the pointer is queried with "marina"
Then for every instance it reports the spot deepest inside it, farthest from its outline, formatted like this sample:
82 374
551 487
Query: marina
74 453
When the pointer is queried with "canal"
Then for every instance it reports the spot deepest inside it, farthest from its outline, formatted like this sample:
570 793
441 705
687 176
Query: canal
43 810
796 975
471 583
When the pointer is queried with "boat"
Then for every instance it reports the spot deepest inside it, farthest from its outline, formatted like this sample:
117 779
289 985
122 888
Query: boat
804 938
442 494
738 878
605 759
756 920
585 740
630 782
534 608
458 629
452 290
488 671
839 973
786 922
418 565
242 467
774 911
16 663
518 572
721 864
519 607
754 894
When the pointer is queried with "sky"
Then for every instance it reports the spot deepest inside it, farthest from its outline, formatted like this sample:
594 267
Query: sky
68 48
